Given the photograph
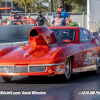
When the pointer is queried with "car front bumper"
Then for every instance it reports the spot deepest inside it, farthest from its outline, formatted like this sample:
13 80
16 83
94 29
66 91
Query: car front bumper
31 70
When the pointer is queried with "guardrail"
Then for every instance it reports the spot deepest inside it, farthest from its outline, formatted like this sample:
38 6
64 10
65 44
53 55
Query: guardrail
15 32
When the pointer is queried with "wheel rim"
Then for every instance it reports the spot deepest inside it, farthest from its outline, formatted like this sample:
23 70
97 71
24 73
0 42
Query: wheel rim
67 69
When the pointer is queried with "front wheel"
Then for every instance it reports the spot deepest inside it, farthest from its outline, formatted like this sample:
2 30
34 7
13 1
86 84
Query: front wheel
7 78
67 74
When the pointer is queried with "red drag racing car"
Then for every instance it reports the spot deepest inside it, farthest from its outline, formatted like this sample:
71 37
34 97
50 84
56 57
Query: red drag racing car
52 51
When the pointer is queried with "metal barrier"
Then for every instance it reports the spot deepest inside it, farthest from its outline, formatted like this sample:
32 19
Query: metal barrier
15 32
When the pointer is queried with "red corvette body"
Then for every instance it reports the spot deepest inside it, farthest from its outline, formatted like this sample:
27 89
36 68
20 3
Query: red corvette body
47 51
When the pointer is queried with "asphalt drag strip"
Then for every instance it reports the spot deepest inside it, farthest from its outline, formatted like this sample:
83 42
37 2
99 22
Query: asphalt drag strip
53 88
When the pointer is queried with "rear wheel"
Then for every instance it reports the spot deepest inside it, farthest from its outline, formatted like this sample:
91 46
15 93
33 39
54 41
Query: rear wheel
7 78
98 64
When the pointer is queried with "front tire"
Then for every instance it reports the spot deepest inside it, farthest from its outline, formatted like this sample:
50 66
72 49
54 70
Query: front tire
7 78
67 74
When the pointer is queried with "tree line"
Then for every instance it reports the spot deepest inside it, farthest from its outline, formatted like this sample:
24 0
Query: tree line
67 4
49 5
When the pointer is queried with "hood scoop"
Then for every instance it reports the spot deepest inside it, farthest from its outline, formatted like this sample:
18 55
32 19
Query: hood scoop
41 35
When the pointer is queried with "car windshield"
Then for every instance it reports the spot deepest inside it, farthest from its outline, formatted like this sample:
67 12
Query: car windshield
64 34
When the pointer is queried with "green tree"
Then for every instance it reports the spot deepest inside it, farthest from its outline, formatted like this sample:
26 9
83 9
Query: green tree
80 2
53 6
61 3
77 8
40 5
68 4
32 5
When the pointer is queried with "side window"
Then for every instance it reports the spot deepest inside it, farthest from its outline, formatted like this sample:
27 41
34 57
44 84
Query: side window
84 35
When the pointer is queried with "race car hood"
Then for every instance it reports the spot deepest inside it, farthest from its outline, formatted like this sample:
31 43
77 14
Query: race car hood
25 55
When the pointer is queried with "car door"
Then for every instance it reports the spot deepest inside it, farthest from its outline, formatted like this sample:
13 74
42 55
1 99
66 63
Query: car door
88 50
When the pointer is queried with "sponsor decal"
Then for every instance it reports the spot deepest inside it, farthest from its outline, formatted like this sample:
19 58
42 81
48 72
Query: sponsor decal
95 57
60 70
76 70
90 58
95 61
94 52
83 69
85 63
89 53
86 59
90 62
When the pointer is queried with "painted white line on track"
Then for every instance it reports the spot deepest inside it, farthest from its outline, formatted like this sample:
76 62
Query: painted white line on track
13 42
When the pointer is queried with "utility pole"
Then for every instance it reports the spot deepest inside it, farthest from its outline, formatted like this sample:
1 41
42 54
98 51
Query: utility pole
0 3
51 5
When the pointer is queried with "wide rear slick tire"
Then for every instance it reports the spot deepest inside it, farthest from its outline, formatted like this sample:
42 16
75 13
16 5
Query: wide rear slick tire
7 78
